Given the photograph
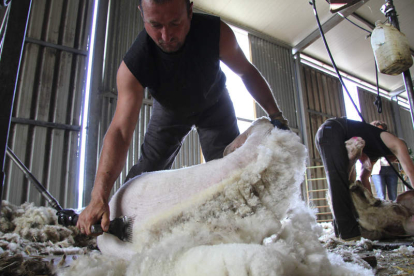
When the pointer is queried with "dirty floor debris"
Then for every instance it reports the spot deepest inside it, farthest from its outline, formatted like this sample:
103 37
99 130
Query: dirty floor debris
385 257
31 243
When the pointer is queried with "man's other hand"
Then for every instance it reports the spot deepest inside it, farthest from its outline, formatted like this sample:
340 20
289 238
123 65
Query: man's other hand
279 124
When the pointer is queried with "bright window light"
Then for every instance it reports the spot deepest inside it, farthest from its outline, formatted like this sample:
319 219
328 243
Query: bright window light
242 100
351 113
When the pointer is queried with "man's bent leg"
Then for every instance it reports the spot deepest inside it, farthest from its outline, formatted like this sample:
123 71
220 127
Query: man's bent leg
217 128
162 142
330 142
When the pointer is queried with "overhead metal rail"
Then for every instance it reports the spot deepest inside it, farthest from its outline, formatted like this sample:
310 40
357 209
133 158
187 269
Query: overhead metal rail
327 26
45 124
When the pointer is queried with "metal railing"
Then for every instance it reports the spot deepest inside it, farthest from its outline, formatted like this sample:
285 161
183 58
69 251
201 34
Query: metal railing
313 202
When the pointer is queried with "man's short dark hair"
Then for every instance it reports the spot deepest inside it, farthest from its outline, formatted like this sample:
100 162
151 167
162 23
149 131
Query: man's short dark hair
187 2
379 123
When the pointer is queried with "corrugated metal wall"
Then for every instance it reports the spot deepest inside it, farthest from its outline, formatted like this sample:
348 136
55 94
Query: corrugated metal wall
397 117
323 99
370 112
276 65
124 15
46 115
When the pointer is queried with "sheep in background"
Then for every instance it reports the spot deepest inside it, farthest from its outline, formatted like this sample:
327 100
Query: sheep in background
379 219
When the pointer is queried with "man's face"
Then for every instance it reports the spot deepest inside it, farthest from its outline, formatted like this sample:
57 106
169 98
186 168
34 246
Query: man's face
167 24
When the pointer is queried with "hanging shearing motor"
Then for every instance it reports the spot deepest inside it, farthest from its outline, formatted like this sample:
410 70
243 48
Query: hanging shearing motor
391 48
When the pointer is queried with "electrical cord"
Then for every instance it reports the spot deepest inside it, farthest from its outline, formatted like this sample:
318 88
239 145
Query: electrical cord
312 3
353 23
378 101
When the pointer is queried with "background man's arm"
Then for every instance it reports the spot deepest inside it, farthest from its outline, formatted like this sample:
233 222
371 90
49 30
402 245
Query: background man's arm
366 170
399 149
115 148
232 55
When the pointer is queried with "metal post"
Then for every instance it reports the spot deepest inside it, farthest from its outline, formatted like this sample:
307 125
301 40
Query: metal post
389 10
396 116
408 83
95 101
303 133
9 71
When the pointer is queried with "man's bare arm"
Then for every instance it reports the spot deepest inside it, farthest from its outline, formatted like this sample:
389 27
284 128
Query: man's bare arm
366 170
399 149
114 150
232 55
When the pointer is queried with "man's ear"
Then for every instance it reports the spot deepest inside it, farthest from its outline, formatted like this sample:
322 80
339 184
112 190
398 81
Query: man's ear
140 10
190 11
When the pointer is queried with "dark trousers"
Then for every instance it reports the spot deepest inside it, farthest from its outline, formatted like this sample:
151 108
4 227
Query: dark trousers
330 142
216 127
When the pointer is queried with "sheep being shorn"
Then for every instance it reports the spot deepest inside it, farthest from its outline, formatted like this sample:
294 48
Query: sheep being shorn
239 215
379 219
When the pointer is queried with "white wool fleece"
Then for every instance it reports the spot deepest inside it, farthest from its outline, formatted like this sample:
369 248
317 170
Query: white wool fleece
224 211
232 200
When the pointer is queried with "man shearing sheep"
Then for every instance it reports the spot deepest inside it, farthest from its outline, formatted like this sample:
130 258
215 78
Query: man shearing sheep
177 57
330 142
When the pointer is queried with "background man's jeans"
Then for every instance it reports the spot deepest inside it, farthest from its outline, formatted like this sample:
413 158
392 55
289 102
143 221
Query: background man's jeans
387 180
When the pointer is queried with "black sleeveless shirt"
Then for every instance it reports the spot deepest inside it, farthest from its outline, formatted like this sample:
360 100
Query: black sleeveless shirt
374 146
187 81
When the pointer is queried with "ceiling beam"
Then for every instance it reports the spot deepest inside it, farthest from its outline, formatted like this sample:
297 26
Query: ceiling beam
327 26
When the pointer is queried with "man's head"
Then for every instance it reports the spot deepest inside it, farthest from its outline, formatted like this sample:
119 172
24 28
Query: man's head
380 124
167 22
187 3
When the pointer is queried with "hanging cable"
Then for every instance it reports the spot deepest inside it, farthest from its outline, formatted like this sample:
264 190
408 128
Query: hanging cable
353 23
312 2
378 101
